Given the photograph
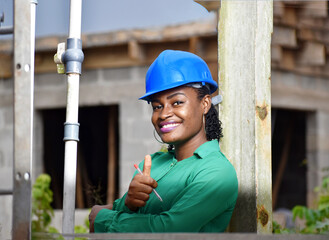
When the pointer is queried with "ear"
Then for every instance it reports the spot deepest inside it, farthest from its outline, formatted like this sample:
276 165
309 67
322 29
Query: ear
206 102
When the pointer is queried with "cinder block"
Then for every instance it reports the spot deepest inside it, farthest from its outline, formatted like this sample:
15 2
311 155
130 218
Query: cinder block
8 117
89 77
307 82
116 74
141 130
47 80
312 160
323 161
6 148
132 153
6 85
132 108
6 99
6 217
2 119
311 124
323 123
6 177
139 73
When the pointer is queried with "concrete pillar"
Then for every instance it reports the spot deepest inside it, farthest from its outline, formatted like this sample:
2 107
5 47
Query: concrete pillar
244 35
317 147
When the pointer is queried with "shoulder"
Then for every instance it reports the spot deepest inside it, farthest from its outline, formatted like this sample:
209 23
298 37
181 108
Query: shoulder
215 167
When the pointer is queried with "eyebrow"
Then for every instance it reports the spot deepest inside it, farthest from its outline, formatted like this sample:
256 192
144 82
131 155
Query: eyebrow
169 97
175 94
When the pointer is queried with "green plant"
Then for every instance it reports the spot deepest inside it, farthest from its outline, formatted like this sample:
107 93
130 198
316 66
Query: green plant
316 220
42 196
42 211
277 228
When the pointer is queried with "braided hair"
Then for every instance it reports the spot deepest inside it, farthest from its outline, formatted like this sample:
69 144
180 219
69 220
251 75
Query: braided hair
213 124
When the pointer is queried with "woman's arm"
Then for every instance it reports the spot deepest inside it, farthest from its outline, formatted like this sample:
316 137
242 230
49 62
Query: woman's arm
93 213
209 195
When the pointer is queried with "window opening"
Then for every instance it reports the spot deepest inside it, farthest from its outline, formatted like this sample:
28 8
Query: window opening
97 156
289 159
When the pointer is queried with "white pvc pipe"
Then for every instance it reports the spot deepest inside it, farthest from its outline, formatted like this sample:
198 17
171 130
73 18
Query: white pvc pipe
75 19
70 158
70 165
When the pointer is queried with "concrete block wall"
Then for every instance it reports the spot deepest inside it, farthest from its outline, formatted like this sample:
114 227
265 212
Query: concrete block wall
317 151
6 155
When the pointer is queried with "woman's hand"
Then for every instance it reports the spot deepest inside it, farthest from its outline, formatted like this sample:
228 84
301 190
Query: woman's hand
93 213
140 187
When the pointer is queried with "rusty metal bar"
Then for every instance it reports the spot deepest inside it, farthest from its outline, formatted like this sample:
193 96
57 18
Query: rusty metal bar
244 43
24 26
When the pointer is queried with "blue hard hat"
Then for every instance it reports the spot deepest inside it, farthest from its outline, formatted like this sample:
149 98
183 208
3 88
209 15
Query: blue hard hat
174 68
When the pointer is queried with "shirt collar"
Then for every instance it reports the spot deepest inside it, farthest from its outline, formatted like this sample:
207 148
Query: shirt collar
206 148
203 150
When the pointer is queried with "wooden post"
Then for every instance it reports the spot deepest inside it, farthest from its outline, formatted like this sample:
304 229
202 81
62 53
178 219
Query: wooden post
244 51
112 155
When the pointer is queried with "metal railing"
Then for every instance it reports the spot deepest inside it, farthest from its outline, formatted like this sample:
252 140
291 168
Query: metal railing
182 236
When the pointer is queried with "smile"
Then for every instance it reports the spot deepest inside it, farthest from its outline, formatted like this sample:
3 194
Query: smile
169 127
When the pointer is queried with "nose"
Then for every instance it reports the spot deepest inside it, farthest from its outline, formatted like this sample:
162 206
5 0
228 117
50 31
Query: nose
166 112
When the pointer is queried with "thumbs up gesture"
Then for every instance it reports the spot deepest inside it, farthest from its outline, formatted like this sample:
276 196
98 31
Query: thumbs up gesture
140 187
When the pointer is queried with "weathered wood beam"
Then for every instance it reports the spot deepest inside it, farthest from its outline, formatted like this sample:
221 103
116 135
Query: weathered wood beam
314 9
136 51
313 35
6 65
276 53
245 29
284 36
312 54
287 60
313 23
278 9
290 17
196 46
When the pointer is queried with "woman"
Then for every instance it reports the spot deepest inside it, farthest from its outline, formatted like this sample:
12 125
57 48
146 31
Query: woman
197 183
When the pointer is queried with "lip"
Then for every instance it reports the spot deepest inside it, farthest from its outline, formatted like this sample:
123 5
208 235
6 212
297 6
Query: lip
168 126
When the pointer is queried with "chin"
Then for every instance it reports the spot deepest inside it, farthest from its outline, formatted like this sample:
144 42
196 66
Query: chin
167 139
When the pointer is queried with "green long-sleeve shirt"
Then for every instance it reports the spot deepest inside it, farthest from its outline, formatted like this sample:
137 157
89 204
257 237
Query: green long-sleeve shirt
199 195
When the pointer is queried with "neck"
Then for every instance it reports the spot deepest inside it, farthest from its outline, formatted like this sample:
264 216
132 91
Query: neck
186 150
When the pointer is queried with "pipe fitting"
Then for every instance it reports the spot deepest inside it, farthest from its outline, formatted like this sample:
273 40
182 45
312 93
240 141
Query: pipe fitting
73 56
71 132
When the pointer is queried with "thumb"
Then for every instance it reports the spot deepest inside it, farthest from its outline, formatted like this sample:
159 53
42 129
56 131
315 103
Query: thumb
147 166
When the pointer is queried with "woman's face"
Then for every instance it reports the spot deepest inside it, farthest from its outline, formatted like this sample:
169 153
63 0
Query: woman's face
178 115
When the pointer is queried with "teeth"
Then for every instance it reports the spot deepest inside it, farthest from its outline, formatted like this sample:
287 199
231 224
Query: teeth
170 125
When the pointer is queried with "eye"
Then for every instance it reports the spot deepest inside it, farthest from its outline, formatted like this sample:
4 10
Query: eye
176 103
156 107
